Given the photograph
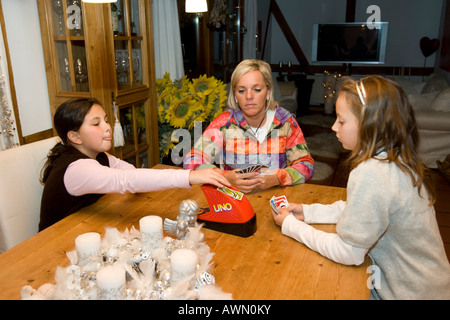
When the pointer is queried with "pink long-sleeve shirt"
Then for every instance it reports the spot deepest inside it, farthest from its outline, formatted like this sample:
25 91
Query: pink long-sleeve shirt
86 176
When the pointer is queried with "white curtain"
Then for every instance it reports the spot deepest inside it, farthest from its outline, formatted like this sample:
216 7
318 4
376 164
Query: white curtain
8 130
166 29
251 23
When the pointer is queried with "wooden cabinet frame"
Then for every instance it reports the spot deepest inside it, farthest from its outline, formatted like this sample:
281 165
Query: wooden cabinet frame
101 66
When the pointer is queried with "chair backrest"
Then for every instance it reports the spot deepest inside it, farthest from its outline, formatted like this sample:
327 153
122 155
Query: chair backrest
21 191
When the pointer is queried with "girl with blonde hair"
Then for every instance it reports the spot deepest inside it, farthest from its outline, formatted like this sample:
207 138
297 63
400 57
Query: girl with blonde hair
389 211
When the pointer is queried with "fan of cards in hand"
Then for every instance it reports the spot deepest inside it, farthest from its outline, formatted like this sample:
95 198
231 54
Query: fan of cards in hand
254 168
278 202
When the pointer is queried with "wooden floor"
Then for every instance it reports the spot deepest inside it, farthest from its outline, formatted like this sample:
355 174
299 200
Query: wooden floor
442 187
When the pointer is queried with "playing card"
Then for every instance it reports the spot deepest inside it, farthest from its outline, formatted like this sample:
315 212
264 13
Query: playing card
276 202
253 168
281 202
232 193
272 204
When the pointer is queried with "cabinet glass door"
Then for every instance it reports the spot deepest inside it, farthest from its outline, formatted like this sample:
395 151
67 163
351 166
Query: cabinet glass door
129 48
69 44
127 43
133 121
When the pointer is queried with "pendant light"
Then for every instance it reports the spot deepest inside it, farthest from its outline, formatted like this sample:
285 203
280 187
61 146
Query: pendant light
99 1
196 6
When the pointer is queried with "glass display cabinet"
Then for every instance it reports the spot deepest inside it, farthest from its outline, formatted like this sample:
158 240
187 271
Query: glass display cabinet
105 51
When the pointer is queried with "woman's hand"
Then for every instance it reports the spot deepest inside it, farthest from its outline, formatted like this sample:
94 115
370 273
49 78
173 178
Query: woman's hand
268 181
208 176
293 208
244 182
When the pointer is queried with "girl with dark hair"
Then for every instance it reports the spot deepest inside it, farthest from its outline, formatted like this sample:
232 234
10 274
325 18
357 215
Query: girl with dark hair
79 170
389 211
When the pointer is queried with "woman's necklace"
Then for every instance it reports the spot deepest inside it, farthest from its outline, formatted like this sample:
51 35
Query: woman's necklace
255 133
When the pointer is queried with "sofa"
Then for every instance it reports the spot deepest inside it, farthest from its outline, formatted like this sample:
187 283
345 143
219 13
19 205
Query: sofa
430 100
285 93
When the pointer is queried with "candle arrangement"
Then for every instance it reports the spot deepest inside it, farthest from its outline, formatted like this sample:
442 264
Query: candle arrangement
135 265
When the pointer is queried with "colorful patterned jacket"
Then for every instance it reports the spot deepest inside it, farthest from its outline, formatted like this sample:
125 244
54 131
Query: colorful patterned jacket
229 143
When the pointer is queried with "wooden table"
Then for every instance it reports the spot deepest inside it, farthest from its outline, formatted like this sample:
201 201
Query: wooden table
267 265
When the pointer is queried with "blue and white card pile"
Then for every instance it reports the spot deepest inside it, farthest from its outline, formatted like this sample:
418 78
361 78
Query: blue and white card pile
276 202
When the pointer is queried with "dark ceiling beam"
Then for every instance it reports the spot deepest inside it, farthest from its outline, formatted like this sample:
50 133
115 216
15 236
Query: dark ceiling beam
350 11
290 37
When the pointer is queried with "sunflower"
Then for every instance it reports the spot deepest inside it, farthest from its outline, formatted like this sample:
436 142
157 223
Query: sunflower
182 85
198 116
203 86
182 103
165 144
163 83
181 110
222 93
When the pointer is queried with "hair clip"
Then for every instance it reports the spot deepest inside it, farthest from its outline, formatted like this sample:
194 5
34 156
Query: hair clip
361 92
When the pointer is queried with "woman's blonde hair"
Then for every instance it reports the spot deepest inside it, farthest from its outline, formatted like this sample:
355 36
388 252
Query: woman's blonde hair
386 122
245 67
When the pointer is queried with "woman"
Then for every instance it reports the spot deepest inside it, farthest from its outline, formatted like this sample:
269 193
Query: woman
254 131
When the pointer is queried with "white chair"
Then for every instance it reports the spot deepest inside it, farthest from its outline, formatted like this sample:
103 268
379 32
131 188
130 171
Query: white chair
21 191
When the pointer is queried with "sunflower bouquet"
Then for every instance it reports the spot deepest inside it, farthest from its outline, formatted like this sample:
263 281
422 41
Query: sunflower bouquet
182 103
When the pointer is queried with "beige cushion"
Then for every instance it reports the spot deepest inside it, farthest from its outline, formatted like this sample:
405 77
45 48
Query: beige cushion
422 101
410 86
435 82
442 101
433 120
287 88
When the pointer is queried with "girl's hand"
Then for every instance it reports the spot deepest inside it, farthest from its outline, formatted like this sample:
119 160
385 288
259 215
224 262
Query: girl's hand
244 182
295 209
208 176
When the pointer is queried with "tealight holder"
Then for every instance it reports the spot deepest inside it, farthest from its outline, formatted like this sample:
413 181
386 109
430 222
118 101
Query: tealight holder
88 247
111 283
151 232
183 263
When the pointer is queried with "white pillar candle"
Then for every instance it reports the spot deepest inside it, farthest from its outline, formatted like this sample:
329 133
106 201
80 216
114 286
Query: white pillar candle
88 246
111 283
151 232
183 263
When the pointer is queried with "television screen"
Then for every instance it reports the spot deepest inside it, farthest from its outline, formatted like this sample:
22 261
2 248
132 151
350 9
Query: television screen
349 43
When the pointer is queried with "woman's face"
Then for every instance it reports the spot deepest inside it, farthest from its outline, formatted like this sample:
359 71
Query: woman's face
252 93
346 125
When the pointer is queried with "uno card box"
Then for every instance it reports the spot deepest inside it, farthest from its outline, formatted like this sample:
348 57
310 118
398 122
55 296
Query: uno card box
229 211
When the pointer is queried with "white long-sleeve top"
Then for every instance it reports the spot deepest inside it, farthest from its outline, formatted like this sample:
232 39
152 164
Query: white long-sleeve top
329 245
385 217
